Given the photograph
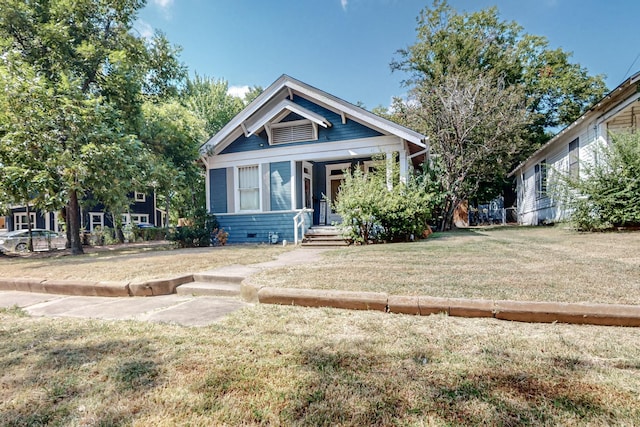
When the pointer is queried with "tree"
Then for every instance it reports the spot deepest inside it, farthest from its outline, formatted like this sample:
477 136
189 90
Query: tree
209 99
98 74
479 58
475 127
26 177
173 134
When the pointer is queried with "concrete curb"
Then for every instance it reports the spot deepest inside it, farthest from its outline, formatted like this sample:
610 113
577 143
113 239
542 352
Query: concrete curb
324 298
521 311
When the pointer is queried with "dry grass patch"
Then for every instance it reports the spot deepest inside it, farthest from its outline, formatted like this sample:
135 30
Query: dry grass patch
535 264
271 365
136 263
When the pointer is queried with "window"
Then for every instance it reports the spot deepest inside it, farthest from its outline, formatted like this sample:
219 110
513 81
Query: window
574 158
134 218
249 188
541 179
140 197
20 221
294 131
96 219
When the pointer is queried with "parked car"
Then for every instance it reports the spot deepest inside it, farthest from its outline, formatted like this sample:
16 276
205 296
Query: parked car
43 240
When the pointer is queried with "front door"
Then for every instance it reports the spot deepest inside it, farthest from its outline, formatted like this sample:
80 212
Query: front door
335 175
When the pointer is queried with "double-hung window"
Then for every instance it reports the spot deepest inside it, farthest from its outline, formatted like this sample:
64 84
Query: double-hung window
541 179
249 188
574 158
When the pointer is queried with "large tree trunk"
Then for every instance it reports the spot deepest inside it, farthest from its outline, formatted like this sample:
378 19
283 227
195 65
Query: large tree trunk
73 223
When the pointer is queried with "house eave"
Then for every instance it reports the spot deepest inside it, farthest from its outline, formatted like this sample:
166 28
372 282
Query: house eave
240 123
599 107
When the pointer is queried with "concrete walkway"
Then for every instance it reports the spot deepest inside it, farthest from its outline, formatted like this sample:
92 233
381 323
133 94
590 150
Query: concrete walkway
174 301
187 311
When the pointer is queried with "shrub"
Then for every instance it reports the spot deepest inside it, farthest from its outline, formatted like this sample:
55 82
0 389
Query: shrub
372 213
608 193
196 235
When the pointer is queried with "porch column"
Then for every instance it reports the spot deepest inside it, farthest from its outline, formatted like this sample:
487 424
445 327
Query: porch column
402 157
294 193
389 163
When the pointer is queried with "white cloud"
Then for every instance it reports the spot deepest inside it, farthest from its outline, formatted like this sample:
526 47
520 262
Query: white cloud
344 4
144 29
238 91
163 4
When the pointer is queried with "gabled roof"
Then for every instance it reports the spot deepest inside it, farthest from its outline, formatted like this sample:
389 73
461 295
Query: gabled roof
606 104
273 103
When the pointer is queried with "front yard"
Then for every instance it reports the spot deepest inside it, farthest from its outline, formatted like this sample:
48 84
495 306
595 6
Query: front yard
535 264
277 365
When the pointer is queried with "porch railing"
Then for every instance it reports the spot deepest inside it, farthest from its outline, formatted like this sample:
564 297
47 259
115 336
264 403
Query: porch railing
299 222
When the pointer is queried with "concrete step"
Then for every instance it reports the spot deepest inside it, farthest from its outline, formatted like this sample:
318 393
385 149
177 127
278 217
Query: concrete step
209 289
324 243
228 278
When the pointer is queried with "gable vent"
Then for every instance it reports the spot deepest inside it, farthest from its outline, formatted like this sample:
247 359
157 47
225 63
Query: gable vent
283 133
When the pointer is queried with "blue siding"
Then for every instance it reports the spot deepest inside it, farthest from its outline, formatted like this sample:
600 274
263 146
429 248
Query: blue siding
337 132
255 228
218 190
280 174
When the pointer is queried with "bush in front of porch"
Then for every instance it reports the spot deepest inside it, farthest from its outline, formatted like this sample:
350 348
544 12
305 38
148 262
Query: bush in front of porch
373 213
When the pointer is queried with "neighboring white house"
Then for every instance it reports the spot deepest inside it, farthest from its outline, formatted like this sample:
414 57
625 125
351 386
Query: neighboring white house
618 111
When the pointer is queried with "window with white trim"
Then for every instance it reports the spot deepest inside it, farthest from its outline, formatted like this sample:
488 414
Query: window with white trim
96 219
293 131
134 218
249 188
541 179
20 221
140 197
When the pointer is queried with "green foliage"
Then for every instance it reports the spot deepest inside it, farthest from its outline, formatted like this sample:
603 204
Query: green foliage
371 211
608 192
80 75
200 231
472 74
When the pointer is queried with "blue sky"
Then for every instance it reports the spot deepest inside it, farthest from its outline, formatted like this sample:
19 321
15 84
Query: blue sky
344 47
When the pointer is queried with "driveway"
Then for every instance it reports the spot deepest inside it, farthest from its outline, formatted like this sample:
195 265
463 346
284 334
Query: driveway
179 309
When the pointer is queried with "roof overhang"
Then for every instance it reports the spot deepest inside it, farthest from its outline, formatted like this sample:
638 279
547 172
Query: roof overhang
272 105
280 111
599 111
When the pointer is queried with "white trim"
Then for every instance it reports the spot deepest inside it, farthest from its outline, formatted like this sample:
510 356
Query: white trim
309 175
17 215
127 218
291 124
139 197
92 223
236 188
292 180
319 152
285 104
331 217
233 129
614 111
259 213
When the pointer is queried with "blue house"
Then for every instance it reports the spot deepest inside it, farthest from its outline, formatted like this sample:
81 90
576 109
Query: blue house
143 209
273 170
